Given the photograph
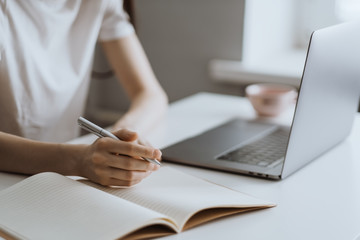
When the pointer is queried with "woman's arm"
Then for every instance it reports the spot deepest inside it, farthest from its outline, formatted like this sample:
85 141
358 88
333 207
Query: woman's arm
106 161
148 100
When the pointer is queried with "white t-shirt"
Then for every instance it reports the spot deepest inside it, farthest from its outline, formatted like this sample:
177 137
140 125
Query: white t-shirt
46 55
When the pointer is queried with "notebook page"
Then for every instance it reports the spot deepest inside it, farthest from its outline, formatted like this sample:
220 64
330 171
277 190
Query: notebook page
51 206
179 195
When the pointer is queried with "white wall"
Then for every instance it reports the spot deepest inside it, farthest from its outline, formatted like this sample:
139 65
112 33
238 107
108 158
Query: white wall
182 36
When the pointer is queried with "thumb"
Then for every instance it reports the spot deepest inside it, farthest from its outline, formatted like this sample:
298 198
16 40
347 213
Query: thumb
126 135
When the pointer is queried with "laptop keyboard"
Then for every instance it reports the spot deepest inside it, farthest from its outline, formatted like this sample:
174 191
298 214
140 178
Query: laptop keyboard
268 151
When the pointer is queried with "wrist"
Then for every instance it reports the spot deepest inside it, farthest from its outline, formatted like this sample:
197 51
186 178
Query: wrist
72 158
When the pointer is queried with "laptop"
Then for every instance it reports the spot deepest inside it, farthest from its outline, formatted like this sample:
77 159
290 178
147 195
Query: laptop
328 99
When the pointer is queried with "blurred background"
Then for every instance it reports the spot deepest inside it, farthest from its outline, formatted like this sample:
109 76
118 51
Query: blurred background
217 46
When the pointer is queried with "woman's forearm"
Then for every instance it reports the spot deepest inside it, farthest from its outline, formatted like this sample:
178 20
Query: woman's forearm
26 156
145 112
105 161
148 99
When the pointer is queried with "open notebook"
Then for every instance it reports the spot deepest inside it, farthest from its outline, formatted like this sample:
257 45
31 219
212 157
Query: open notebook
51 206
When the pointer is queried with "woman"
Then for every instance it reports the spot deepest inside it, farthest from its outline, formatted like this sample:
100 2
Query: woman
46 50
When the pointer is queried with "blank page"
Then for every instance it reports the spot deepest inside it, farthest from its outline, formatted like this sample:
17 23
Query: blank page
179 195
51 206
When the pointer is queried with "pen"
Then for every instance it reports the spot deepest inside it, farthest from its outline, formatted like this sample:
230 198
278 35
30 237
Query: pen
100 132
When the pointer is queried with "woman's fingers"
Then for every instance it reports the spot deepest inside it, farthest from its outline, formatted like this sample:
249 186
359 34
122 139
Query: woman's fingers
126 135
125 175
110 176
144 142
127 148
129 163
119 162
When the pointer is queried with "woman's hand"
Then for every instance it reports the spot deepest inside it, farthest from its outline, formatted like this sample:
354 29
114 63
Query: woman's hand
113 162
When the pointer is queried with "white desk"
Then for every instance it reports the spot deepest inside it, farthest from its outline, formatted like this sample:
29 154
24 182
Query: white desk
320 201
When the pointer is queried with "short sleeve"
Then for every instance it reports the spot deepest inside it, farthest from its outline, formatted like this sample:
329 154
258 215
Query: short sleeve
115 22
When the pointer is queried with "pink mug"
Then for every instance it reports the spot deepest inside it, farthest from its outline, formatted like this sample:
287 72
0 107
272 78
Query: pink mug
270 100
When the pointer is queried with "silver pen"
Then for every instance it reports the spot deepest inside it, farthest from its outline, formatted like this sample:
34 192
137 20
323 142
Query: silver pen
100 132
